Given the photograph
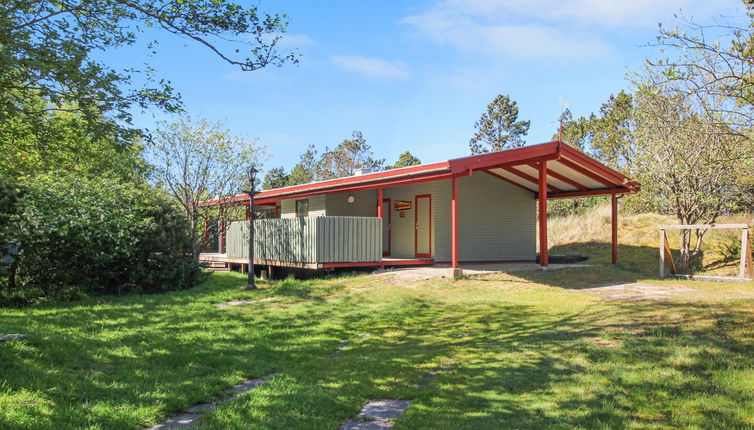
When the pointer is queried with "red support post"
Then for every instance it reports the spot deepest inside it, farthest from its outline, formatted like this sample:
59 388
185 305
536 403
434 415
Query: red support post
454 224
248 211
543 257
614 205
379 203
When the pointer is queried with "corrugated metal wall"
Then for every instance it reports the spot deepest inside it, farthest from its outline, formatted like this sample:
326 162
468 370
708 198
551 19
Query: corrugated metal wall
309 239
496 220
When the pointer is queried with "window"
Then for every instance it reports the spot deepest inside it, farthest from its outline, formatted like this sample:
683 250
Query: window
302 207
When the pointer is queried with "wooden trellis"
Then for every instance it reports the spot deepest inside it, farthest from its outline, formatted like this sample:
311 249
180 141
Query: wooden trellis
745 272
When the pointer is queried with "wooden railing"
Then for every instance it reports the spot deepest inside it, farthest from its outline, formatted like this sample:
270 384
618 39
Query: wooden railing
308 239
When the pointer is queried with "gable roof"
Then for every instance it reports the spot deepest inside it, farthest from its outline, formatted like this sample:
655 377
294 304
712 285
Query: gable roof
570 173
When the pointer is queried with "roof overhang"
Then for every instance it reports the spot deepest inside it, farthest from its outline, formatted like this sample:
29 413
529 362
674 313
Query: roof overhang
570 174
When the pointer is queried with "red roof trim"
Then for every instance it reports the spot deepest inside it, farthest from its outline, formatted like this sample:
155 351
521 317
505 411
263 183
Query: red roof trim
460 166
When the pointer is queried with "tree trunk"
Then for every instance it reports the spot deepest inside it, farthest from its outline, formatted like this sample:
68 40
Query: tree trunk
12 274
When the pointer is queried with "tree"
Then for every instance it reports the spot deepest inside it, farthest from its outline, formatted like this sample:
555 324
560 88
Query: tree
713 63
305 170
349 155
607 136
36 145
49 49
690 162
499 127
406 159
574 132
275 178
195 161
123 238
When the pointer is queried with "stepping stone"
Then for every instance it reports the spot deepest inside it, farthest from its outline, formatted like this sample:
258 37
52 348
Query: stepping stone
191 415
365 425
384 409
177 422
247 385
246 301
4 337
377 415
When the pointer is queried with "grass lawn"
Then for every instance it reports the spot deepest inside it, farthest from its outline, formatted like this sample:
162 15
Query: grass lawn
527 351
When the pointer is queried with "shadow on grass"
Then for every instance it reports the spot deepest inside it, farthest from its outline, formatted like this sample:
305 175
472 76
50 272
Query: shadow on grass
129 361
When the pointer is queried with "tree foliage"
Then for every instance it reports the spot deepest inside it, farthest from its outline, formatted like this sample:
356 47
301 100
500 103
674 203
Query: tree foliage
349 155
690 164
275 178
406 159
195 161
305 170
97 236
499 127
48 49
34 145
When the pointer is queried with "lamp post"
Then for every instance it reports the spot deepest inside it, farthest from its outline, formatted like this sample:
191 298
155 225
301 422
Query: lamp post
252 178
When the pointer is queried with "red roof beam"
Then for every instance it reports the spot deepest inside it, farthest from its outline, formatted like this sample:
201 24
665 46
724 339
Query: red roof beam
529 178
588 173
503 178
562 178
604 192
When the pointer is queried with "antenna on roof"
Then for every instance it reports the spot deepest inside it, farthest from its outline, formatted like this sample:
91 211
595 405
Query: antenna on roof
560 131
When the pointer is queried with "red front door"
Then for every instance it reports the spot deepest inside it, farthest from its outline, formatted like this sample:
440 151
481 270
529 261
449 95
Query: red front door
423 225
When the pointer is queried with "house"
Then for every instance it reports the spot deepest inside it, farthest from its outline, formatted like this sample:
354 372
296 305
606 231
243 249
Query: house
476 209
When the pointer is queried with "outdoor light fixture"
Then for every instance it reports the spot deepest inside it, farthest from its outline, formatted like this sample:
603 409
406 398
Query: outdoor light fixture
252 178
350 198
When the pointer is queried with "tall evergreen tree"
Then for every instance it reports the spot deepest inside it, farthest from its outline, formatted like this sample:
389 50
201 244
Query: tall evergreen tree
406 159
275 178
349 155
499 127
305 170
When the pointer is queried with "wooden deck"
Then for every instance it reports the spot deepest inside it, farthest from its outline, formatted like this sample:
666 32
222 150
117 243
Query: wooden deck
213 257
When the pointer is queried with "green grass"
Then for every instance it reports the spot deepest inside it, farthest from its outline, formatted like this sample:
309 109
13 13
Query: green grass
527 351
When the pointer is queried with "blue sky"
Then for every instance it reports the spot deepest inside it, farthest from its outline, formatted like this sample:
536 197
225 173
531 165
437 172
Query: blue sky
416 75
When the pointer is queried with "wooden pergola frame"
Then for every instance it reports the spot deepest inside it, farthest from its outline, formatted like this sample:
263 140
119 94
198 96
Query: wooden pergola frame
745 271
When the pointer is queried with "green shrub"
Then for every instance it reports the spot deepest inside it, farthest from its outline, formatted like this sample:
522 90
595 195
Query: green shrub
82 236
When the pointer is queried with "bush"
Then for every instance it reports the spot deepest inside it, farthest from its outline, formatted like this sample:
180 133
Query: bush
98 236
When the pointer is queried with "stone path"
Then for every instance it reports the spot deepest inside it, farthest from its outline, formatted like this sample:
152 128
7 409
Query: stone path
246 301
377 415
4 337
189 417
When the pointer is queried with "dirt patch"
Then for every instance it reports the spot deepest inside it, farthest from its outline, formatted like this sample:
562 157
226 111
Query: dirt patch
607 343
246 301
636 291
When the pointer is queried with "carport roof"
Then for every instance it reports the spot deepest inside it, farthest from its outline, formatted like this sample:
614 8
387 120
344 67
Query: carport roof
570 173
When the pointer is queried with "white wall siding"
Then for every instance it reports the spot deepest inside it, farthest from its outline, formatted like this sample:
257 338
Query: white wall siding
496 220
316 206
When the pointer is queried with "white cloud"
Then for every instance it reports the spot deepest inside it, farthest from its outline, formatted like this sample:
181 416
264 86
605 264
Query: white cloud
528 41
623 13
372 67
546 29
295 41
